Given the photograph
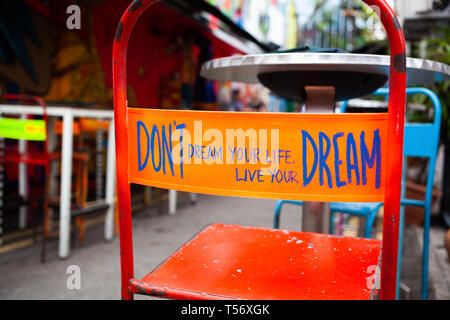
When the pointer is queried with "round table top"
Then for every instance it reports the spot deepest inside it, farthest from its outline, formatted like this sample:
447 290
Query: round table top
353 75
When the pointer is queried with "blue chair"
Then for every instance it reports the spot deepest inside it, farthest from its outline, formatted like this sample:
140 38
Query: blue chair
366 210
276 215
420 140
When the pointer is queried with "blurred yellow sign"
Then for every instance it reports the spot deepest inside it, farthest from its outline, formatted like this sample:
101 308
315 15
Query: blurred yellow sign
33 130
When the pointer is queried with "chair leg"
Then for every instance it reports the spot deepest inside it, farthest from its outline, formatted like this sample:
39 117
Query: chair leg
367 229
73 234
83 198
276 214
82 228
425 253
81 186
370 219
35 223
44 237
46 213
400 251
331 222
78 186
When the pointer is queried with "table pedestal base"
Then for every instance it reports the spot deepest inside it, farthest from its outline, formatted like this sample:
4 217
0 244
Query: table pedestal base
316 215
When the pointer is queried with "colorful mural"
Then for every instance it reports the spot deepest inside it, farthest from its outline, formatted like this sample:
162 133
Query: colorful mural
26 45
72 66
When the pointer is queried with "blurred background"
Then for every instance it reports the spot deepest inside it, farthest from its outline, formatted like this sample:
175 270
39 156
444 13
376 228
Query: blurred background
63 212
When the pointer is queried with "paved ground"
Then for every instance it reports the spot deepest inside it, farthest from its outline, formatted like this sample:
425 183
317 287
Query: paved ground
439 265
156 235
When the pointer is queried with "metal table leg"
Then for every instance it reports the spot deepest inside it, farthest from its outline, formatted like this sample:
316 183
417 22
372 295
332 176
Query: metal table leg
66 177
110 183
316 215
172 202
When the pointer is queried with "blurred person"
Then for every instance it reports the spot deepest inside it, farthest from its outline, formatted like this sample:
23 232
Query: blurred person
224 97
236 104
255 104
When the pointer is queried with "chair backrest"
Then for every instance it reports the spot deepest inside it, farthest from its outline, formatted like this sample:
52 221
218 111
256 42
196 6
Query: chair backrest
144 132
28 130
420 139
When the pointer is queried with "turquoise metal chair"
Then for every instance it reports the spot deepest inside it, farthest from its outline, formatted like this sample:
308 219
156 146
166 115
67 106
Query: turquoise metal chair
276 215
366 210
420 140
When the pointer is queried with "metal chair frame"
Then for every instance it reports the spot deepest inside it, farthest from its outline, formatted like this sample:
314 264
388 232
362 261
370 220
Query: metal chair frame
43 159
421 140
130 286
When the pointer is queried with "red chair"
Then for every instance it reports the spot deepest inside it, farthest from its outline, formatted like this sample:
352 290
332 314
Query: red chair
44 158
35 158
236 262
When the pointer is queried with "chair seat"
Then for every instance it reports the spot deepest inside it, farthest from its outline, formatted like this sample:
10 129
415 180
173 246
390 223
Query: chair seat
357 208
35 158
39 158
237 262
